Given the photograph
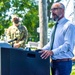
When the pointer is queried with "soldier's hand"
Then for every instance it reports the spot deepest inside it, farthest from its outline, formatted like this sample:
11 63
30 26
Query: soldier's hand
17 45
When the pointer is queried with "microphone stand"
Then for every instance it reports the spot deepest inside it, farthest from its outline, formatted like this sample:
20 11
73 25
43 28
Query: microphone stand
12 44
12 41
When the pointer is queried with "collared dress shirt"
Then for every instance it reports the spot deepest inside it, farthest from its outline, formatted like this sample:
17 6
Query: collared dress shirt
63 44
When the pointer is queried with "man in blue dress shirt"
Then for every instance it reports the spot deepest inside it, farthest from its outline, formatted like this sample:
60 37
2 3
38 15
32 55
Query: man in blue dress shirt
61 51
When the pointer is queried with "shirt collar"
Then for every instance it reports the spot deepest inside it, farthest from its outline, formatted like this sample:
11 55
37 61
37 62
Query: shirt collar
61 20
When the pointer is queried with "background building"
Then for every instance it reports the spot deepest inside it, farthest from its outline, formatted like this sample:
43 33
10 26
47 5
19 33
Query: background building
69 9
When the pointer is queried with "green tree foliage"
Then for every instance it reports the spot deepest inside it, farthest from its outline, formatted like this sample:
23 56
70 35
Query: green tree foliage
26 9
4 6
51 24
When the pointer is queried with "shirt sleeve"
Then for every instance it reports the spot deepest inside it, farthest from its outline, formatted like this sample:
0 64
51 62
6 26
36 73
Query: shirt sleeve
25 37
46 47
68 41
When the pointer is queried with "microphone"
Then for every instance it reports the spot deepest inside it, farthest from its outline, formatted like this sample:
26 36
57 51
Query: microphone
12 40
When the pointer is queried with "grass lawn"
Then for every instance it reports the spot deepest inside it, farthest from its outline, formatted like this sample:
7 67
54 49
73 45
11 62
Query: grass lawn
73 70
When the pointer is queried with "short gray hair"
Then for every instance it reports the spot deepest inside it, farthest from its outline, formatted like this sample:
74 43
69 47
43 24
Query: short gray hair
62 6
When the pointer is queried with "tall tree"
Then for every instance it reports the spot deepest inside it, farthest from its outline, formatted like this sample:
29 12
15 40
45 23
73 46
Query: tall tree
43 22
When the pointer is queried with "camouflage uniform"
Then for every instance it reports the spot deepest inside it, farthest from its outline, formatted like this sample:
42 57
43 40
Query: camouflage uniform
20 32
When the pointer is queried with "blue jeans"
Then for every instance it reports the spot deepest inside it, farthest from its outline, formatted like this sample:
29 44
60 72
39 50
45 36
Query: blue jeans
61 68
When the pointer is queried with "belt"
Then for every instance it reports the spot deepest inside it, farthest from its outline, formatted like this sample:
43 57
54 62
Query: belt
65 59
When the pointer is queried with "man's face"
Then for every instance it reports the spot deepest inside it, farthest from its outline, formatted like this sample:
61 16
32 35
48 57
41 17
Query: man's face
57 12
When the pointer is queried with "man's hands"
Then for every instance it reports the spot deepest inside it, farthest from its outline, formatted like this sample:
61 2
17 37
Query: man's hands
45 53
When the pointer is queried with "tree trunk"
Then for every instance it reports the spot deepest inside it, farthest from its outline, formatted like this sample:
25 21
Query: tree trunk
43 22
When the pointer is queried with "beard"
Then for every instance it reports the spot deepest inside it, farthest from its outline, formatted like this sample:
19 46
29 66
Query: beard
56 17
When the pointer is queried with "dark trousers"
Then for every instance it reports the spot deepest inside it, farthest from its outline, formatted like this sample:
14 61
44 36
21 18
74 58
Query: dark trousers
61 67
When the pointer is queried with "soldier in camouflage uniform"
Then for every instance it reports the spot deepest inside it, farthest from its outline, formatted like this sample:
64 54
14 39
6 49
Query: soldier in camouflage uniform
17 31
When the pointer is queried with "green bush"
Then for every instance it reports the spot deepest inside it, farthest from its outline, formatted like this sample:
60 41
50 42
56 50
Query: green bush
73 70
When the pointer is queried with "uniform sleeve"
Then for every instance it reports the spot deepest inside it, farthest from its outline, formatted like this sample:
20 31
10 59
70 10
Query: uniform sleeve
8 34
25 36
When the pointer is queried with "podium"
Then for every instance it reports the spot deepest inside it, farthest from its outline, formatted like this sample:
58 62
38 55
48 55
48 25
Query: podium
15 61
